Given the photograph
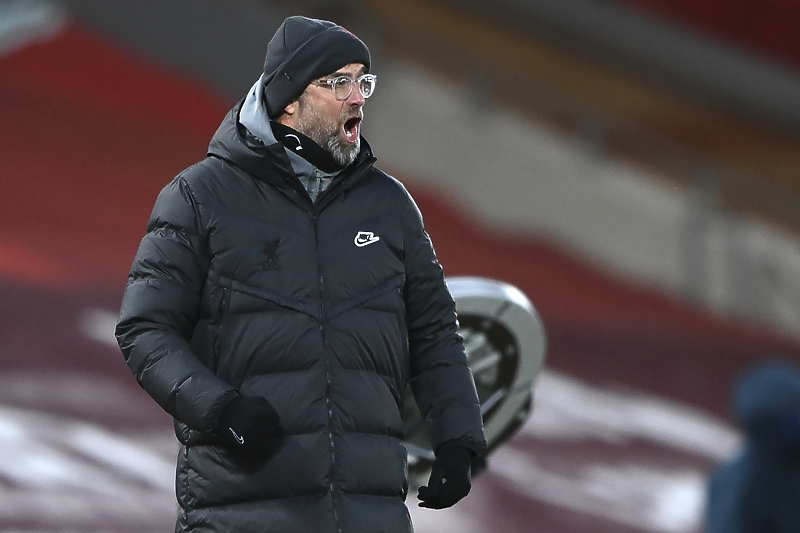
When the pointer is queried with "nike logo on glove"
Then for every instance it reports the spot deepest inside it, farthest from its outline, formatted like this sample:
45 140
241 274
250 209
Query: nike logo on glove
239 439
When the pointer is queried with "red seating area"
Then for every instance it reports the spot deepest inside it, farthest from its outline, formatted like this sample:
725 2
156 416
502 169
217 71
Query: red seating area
766 26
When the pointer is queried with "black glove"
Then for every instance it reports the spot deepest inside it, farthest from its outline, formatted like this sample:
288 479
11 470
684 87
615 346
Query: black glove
249 424
451 477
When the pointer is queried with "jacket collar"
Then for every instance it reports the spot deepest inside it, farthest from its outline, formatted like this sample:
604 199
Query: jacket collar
266 159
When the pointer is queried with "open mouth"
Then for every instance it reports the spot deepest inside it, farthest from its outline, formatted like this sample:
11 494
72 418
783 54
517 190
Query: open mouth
351 129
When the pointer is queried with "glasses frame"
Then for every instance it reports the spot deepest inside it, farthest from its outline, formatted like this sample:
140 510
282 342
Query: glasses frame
332 84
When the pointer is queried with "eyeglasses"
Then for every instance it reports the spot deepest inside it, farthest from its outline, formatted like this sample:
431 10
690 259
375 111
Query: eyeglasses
343 86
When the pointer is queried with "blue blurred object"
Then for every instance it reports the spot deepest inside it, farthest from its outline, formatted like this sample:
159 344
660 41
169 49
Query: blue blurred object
789 424
759 490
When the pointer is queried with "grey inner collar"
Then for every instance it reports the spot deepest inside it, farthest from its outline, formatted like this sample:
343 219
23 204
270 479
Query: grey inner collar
314 180
253 116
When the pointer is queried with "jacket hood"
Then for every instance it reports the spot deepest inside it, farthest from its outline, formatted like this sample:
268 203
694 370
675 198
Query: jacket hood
767 404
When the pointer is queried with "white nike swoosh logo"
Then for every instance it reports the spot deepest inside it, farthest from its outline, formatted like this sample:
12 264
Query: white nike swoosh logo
299 144
364 238
239 439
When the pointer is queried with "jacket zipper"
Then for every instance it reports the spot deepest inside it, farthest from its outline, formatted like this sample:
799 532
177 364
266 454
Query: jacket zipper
328 384
222 311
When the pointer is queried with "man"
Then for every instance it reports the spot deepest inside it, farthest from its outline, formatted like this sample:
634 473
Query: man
284 295
759 490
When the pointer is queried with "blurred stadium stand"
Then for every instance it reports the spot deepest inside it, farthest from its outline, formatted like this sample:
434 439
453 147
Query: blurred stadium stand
769 26
694 108
717 121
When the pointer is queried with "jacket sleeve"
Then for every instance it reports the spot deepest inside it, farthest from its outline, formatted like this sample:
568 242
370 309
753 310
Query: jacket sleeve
160 308
440 379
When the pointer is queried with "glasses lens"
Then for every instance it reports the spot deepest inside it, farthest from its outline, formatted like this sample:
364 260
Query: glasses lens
342 87
366 84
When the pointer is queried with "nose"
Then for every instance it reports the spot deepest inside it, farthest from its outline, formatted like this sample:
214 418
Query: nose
356 98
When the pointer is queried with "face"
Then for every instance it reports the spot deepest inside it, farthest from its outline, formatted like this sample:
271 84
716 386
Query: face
333 124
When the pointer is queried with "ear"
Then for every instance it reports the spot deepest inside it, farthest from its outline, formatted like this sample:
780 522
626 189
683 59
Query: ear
289 115
291 108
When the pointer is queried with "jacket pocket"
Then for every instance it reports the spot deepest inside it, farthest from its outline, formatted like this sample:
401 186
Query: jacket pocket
244 298
383 297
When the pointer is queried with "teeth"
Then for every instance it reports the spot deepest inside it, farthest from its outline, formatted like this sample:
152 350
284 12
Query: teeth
350 128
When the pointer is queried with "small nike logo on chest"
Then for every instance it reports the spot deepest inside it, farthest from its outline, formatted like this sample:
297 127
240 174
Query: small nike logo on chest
364 238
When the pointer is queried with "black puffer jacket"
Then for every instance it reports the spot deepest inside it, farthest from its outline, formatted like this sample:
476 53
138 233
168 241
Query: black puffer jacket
242 285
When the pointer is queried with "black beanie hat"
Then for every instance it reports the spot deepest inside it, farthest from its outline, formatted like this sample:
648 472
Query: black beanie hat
303 50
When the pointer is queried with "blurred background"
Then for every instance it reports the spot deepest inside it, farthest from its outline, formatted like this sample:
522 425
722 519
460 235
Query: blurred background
632 165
